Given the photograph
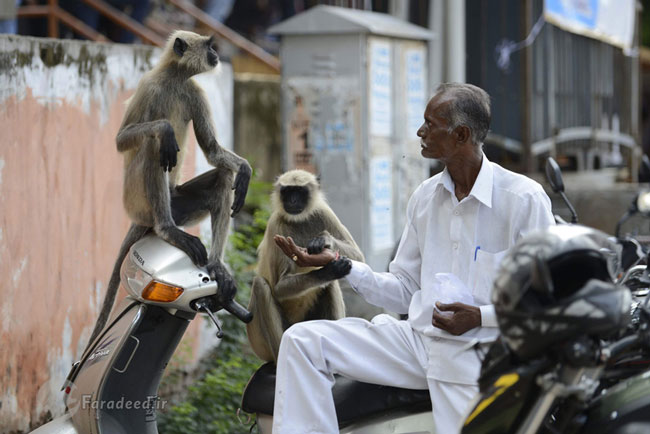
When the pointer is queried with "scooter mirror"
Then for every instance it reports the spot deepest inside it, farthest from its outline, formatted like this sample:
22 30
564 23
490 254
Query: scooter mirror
643 202
554 175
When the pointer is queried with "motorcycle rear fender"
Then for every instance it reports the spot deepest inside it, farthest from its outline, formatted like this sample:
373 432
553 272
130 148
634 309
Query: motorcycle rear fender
624 405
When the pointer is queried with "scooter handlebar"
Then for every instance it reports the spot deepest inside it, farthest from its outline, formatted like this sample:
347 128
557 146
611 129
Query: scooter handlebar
238 310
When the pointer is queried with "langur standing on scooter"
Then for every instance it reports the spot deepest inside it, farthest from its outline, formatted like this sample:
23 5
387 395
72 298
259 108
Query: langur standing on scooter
459 225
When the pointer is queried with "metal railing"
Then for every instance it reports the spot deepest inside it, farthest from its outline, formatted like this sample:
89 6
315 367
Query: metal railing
55 15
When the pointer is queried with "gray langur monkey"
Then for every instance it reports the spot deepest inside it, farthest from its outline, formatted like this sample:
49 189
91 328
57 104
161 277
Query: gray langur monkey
152 133
283 293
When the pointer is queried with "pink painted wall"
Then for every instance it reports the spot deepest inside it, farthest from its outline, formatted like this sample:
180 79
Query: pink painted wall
61 217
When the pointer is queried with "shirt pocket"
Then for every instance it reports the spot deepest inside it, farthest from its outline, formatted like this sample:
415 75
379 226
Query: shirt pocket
483 274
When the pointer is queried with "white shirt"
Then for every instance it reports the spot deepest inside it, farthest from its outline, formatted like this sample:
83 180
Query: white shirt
466 238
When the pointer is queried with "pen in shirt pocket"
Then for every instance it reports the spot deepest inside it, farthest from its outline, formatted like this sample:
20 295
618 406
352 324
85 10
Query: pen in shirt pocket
476 251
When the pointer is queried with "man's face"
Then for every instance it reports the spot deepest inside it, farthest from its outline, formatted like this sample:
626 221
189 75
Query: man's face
435 140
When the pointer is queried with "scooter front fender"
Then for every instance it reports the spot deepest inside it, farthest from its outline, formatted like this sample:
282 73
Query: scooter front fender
60 425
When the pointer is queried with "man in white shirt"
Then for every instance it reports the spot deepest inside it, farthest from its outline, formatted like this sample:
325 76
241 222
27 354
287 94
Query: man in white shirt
459 225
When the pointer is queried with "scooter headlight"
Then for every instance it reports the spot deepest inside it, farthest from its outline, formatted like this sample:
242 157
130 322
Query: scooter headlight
134 278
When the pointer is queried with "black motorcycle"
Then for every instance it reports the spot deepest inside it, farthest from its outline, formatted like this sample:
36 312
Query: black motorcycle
574 350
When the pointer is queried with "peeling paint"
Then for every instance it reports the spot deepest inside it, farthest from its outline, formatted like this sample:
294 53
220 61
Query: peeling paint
77 72
19 271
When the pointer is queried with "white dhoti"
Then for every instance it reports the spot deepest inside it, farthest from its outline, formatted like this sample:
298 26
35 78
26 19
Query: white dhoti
384 351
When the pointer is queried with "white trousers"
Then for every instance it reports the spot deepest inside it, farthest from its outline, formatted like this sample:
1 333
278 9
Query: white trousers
385 351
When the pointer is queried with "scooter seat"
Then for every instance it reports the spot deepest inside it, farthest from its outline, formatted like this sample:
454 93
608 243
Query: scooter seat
354 400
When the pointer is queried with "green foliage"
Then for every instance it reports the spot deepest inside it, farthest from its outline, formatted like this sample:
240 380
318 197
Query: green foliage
212 402
645 24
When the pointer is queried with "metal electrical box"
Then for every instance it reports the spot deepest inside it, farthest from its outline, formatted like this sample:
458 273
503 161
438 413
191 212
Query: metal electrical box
354 92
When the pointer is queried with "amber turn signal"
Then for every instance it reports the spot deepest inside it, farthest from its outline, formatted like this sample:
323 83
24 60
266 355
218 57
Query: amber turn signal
156 291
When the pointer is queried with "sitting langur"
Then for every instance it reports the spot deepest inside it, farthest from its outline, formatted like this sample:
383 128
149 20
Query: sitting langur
285 292
152 141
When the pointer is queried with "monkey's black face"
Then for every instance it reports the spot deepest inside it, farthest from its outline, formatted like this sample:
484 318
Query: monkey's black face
294 198
213 57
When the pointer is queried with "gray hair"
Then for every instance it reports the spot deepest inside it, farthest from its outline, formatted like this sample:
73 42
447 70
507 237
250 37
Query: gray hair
469 105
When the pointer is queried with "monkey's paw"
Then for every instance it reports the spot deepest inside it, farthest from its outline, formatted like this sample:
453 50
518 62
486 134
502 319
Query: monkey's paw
168 150
339 268
227 288
241 187
319 243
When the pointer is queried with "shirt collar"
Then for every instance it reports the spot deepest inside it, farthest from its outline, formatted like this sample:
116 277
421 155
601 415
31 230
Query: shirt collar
482 189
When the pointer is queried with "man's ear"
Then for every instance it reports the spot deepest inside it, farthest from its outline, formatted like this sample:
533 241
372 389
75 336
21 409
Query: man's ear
463 133
180 46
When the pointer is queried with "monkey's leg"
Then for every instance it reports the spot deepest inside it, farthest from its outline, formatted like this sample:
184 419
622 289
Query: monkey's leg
134 234
330 304
266 328
157 191
212 192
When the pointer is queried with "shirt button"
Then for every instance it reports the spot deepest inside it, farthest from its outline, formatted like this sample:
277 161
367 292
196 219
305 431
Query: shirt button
456 213
455 245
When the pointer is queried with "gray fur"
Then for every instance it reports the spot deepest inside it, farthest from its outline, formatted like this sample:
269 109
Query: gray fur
153 131
282 293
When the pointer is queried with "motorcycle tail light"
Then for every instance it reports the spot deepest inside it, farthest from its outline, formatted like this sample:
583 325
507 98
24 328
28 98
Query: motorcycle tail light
157 291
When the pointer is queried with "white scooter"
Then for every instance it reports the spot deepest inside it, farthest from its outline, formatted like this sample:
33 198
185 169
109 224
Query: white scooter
113 388
361 408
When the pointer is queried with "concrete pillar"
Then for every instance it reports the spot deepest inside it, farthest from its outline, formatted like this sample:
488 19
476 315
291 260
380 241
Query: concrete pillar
447 50
455 40
399 9
436 48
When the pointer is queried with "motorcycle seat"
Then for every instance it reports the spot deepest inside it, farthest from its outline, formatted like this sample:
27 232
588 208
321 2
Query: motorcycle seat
354 400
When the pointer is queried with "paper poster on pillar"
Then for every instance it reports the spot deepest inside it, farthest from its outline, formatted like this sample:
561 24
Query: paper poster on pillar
380 83
415 59
323 119
381 203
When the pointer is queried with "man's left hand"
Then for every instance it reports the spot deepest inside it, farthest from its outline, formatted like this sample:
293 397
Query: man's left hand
463 318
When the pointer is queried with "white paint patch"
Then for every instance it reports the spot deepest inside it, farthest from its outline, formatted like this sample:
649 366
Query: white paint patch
2 166
9 412
49 396
7 311
15 278
8 301
9 403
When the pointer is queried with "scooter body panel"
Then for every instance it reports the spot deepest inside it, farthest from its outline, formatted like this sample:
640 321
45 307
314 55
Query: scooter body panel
115 387
92 373
393 422
60 425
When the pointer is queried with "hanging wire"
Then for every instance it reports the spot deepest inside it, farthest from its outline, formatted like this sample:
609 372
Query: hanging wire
506 47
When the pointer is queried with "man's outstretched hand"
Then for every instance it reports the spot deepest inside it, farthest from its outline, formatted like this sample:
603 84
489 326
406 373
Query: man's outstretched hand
300 255
463 318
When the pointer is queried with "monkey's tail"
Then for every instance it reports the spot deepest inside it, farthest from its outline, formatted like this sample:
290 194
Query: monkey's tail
134 234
